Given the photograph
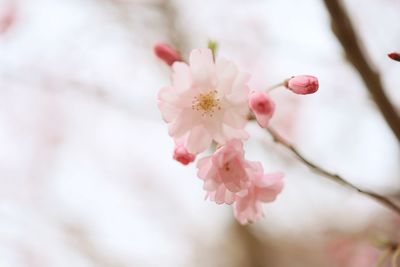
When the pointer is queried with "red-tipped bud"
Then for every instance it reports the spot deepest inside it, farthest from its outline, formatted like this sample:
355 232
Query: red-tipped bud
262 106
182 155
166 53
302 84
394 56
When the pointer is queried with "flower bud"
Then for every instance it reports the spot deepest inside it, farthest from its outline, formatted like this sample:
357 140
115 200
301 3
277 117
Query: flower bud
302 85
7 16
262 106
182 155
394 56
166 53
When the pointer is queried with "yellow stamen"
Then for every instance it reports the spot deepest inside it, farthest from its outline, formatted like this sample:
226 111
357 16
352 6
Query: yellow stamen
206 102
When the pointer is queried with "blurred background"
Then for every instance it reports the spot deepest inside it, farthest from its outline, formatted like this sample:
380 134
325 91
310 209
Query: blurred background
86 170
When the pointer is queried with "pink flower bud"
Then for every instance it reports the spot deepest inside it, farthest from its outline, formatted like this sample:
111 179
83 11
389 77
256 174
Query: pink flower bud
394 56
303 84
182 155
166 53
7 16
262 106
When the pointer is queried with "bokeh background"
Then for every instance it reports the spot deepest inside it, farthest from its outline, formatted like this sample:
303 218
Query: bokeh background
86 170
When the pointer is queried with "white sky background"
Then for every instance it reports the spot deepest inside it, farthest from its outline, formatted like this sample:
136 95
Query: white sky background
86 172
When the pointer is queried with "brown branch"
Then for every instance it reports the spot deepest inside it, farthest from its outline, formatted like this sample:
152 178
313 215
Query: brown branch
175 33
356 55
332 176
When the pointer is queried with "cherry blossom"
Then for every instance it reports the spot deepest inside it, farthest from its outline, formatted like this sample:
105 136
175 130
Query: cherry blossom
265 188
225 173
208 101
229 178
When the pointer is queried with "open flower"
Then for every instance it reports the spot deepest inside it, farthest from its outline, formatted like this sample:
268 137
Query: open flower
225 173
207 101
265 188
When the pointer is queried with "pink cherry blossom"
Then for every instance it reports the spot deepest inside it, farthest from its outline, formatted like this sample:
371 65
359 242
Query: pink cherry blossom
265 188
166 53
303 84
182 155
229 178
262 106
207 101
225 173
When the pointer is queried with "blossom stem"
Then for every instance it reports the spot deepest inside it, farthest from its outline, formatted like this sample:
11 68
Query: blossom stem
213 46
275 86
330 175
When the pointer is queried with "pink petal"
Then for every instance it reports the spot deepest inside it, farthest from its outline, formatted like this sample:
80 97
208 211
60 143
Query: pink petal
235 120
210 185
248 209
270 179
199 140
204 165
273 185
262 119
202 68
229 197
183 123
232 133
240 90
181 76
240 84
220 195
167 94
226 74
166 97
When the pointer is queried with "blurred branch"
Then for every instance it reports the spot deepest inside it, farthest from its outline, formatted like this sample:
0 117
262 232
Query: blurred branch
344 31
80 240
255 255
332 176
174 30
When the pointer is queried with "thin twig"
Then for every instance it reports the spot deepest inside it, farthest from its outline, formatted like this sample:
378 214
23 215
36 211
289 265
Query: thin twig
332 176
275 86
356 55
175 33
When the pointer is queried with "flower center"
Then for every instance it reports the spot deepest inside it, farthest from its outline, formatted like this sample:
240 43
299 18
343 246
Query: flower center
206 103
227 167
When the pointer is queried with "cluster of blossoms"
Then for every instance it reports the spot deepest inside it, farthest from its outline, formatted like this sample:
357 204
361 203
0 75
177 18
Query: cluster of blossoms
209 103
